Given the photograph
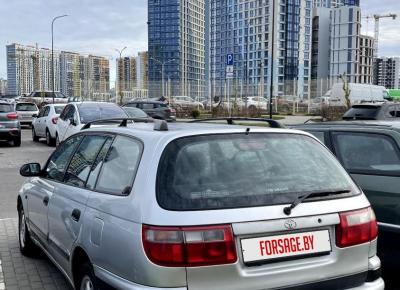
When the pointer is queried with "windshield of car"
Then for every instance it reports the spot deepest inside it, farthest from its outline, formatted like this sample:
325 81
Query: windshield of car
235 170
91 112
362 112
26 107
135 112
6 108
59 109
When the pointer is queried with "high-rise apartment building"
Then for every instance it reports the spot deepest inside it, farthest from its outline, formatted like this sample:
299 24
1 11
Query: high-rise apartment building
176 46
98 74
344 43
365 60
142 62
387 72
335 3
30 68
338 48
70 73
245 28
126 73
3 87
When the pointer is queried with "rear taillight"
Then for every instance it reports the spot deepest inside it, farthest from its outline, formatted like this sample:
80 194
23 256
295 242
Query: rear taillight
189 246
356 227
12 116
54 120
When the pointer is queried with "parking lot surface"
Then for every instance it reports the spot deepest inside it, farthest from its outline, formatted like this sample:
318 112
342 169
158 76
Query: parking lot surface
17 271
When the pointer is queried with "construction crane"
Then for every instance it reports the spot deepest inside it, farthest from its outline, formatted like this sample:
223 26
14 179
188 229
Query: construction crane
377 18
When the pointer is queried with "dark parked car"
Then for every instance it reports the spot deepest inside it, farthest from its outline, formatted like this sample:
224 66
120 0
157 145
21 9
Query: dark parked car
155 109
10 128
373 111
370 151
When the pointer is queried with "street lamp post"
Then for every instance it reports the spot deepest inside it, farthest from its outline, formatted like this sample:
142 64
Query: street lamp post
119 81
272 59
52 52
163 63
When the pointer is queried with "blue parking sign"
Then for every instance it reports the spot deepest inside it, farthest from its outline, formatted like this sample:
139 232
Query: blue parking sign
229 59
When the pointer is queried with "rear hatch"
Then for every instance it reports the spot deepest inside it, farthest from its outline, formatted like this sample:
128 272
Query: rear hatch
226 195
8 117
25 111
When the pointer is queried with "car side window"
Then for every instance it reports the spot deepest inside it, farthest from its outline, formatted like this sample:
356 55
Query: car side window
119 168
83 159
46 111
94 173
65 112
41 113
58 162
370 153
147 106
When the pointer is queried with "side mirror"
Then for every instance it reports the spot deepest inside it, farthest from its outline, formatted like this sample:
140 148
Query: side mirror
34 115
30 170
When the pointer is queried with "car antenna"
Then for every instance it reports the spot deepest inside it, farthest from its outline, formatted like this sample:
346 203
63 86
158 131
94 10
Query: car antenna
247 131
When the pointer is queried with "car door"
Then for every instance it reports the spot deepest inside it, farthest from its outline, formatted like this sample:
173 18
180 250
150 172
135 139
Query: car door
36 123
42 122
68 126
42 188
373 160
62 123
70 197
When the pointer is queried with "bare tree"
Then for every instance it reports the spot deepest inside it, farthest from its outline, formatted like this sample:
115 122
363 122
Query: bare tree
346 90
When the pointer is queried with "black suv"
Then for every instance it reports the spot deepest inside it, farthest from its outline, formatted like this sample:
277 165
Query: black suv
155 109
370 152
373 111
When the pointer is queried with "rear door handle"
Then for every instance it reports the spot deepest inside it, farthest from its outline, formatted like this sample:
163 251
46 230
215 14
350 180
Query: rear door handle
76 214
46 200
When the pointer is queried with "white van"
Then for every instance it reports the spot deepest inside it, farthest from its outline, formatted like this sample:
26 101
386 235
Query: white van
358 93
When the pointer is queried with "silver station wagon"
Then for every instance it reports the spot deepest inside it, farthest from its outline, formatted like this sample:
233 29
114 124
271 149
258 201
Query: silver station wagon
199 206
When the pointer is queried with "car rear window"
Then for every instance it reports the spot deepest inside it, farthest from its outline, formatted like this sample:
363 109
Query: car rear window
92 112
26 107
362 113
235 170
6 108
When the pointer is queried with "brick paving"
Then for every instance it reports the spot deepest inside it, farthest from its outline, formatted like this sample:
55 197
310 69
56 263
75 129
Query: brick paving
21 273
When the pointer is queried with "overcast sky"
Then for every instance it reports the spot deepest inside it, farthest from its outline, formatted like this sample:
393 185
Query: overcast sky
100 26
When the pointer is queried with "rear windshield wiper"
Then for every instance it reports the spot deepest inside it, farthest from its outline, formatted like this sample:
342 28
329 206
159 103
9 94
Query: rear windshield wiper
288 210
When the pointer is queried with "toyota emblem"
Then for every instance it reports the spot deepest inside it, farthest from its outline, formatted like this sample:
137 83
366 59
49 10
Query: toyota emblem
290 224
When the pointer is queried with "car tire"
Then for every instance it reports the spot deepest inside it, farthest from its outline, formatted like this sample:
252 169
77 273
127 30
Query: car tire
26 246
17 142
49 140
57 141
86 278
35 138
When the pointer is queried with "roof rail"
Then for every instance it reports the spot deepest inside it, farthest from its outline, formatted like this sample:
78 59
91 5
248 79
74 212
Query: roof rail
346 123
230 121
123 122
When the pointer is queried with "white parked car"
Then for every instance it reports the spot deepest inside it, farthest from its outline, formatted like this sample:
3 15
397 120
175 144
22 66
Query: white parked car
76 115
44 125
25 112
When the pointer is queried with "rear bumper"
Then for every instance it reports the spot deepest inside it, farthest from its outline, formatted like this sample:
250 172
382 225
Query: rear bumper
121 283
9 134
378 284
